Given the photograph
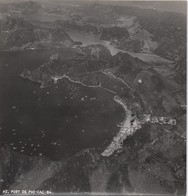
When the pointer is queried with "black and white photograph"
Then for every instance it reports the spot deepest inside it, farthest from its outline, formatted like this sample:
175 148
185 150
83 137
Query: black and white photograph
93 97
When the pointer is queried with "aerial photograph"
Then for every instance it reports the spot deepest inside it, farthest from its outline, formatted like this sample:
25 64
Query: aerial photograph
93 97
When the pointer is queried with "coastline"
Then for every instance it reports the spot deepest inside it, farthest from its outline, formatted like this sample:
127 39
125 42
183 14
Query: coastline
131 124
35 49
126 129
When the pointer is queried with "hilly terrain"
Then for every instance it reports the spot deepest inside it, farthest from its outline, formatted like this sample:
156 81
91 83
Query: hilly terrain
16 34
64 61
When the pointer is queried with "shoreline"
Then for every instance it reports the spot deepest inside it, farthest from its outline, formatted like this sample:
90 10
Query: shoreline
131 124
34 49
126 130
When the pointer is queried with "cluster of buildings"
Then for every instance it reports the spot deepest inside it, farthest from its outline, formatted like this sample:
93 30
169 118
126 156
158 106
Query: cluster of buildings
159 120
117 141
130 125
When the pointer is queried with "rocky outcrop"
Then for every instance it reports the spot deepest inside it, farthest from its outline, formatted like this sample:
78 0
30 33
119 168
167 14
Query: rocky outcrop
79 70
23 172
151 91
97 51
132 29
153 158
18 34
179 74
25 8
137 79
140 167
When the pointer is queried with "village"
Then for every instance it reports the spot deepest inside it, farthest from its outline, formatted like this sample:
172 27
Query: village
130 125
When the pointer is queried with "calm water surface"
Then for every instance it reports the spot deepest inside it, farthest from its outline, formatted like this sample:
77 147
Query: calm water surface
56 121
89 38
